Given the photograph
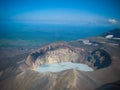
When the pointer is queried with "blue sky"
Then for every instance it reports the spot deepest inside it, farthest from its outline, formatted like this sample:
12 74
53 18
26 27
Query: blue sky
103 13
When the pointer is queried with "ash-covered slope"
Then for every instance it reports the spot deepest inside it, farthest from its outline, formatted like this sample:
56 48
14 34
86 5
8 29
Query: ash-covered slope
101 54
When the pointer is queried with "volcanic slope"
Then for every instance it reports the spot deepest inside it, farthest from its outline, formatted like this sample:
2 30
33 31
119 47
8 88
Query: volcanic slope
100 53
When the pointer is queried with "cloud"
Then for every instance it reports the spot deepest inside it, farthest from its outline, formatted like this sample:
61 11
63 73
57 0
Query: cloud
112 21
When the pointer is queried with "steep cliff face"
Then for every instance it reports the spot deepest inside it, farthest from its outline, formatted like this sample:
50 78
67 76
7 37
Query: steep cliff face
54 53
57 56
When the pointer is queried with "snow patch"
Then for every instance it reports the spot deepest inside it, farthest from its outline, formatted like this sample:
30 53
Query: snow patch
109 36
87 42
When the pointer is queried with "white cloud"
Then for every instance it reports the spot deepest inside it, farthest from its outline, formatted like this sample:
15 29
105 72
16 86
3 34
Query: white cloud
112 21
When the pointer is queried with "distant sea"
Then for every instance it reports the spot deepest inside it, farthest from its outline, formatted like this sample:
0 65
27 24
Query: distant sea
23 35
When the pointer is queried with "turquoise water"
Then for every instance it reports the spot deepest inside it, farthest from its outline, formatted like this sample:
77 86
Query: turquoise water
58 67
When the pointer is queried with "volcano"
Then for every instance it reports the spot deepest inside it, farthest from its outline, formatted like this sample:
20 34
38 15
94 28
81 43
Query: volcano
57 66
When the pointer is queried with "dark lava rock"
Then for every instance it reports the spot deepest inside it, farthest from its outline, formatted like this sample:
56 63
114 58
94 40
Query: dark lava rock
100 58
